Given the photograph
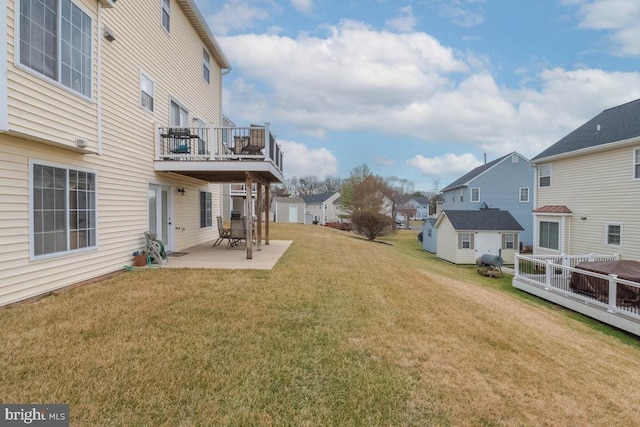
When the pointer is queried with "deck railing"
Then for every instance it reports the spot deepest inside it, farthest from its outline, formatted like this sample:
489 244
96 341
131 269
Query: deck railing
558 274
218 143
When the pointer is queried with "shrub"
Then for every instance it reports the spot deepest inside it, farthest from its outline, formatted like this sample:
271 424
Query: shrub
371 224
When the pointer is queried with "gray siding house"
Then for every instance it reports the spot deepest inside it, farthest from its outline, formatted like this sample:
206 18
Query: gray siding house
429 235
505 183
320 208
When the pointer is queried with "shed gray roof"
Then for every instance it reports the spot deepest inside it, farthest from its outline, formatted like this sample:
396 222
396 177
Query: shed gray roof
317 198
464 180
615 124
485 220
432 221
288 200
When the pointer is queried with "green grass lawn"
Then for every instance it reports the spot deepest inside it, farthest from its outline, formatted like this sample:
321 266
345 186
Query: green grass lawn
341 332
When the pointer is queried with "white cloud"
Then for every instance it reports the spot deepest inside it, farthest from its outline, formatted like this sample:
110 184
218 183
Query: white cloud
410 86
304 6
235 15
447 165
405 22
618 17
300 160
348 79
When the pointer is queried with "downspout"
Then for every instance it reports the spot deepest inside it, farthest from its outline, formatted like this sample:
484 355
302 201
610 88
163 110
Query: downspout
99 84
4 99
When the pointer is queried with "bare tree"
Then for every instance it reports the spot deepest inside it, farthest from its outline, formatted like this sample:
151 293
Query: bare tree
367 194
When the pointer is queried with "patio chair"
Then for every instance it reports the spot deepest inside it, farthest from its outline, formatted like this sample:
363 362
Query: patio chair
223 233
237 233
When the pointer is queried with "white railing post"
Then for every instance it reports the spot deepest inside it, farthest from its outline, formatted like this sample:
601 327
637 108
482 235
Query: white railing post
612 293
157 144
516 266
591 257
547 273
267 141
212 143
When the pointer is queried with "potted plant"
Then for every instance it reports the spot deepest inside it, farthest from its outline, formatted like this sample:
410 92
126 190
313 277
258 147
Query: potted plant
139 258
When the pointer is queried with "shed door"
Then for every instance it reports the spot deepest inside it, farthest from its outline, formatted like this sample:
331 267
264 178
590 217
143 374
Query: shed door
293 214
488 243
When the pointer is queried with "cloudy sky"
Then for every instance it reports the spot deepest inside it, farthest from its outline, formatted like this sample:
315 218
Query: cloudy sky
422 89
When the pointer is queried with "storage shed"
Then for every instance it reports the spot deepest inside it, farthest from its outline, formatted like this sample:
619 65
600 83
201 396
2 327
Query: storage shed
463 236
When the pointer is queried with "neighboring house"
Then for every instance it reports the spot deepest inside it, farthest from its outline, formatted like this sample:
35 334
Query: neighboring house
505 183
109 127
429 235
288 209
321 207
588 188
464 236
418 204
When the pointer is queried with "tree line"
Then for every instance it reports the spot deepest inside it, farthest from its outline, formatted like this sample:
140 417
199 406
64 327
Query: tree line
371 201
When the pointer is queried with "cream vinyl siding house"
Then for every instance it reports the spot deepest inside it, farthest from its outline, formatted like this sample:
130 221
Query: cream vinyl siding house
77 162
591 188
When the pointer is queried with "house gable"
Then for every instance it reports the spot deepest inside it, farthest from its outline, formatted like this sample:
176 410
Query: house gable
615 124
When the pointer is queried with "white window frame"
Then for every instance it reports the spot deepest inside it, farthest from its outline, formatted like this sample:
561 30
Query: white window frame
184 114
206 66
636 163
165 10
207 209
465 238
540 231
509 238
520 195
474 199
547 170
86 51
607 234
68 230
144 76
514 158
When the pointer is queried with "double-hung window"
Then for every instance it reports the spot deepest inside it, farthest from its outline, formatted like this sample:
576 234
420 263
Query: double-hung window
55 41
206 65
465 241
475 194
544 176
509 241
206 209
549 235
614 234
63 209
636 163
166 14
146 92
524 194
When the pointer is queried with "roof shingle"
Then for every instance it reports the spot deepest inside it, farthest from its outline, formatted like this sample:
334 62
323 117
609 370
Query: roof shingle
615 124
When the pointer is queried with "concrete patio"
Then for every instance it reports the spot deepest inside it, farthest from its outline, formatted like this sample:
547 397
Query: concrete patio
235 258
